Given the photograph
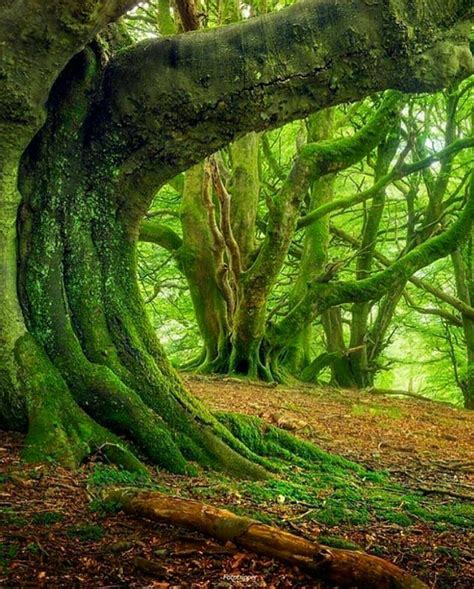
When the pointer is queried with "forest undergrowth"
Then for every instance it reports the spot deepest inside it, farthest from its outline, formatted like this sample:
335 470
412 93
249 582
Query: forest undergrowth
390 476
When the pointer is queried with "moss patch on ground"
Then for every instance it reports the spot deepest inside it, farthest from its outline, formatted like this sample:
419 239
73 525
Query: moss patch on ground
307 482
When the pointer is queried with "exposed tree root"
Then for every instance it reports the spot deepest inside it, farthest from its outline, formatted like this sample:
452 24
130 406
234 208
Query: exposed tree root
443 491
377 391
345 568
58 428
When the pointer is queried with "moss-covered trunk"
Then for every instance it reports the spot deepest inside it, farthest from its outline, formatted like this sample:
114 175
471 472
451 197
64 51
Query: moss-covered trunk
205 257
361 367
34 397
12 328
320 127
329 156
244 187
105 375
197 262
248 328
463 265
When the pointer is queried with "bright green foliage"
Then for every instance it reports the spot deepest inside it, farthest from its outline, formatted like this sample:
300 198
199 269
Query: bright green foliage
342 282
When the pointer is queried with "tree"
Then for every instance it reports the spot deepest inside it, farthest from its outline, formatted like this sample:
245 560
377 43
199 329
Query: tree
428 198
463 272
231 280
87 139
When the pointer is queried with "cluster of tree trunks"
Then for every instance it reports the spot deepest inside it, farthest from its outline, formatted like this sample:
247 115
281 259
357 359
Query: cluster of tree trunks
232 307
231 279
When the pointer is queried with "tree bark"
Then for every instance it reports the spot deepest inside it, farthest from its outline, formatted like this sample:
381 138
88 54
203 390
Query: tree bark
201 90
32 392
360 311
314 162
244 187
197 261
320 127
323 296
82 303
463 273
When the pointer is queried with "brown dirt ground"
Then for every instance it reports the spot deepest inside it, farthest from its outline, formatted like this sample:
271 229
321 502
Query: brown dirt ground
411 438
423 444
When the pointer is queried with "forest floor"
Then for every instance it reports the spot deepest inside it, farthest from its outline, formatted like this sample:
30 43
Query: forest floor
414 505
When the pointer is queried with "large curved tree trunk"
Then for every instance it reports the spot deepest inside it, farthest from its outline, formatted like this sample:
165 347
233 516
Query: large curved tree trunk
80 297
33 395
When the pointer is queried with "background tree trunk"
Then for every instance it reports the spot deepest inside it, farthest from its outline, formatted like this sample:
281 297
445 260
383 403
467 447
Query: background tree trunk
320 127
197 262
463 273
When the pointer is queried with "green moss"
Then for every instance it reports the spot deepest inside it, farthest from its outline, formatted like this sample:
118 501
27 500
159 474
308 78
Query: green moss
33 548
456 514
8 551
338 542
47 518
440 527
103 475
87 532
336 490
377 550
10 517
104 507
336 513
275 491
260 516
395 517
452 552
275 443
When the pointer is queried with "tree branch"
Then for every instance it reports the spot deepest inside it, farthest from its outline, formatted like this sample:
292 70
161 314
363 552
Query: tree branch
161 235
457 304
38 39
168 103
398 172
320 297
448 317
314 161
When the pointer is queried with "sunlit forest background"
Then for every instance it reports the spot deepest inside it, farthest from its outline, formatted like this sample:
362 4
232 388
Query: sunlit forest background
421 342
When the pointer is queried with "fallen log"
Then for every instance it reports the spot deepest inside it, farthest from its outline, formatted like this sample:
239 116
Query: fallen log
344 568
